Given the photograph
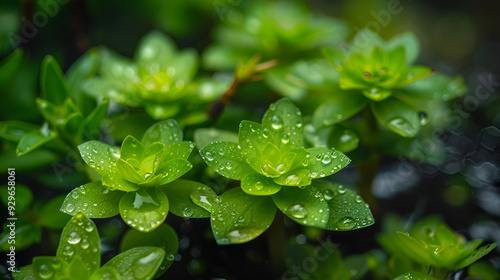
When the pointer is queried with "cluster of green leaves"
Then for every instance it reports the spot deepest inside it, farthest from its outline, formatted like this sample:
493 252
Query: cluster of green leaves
429 249
65 123
160 79
276 171
78 257
381 75
136 179
32 216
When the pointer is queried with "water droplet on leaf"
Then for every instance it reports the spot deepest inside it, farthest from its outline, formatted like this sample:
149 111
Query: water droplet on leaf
297 210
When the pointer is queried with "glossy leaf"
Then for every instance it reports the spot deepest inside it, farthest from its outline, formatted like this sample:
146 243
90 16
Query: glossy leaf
99 156
24 273
15 130
163 237
140 263
339 107
166 132
348 211
175 168
80 239
113 181
257 184
26 232
324 162
92 123
479 253
253 138
53 85
415 275
238 217
10 64
106 273
437 87
33 140
284 122
397 116
132 149
419 253
49 215
155 47
410 43
144 209
305 206
94 200
226 159
180 195
78 270
50 268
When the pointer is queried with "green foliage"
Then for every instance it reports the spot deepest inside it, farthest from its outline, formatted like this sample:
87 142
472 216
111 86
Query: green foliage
130 176
78 257
160 79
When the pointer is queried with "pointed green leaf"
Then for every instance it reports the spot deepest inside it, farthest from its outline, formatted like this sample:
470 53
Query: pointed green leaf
33 140
15 130
53 85
414 74
49 111
128 172
185 63
226 159
325 162
339 107
298 177
163 237
238 217
253 137
173 169
305 206
419 252
479 253
24 273
49 268
257 184
99 156
49 214
78 270
72 125
139 263
80 239
438 87
397 116
166 132
92 199
113 181
180 193
348 211
396 60
92 123
10 64
132 148
144 209
179 150
410 43
284 122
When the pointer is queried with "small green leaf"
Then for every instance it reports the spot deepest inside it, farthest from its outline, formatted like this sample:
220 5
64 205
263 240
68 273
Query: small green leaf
334 56
305 206
50 112
238 217
163 237
80 239
253 138
284 121
483 270
257 184
53 85
410 43
344 140
15 130
325 162
144 209
339 107
348 211
226 159
23 195
72 125
180 193
166 132
175 168
94 200
419 253
50 268
438 87
140 263
479 253
33 140
78 270
298 177
128 172
113 181
11 64
99 156
24 273
185 63
179 150
155 47
49 215
416 73
205 136
92 123
106 273
132 149
397 116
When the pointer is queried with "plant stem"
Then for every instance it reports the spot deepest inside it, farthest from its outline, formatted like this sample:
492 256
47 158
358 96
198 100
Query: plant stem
277 242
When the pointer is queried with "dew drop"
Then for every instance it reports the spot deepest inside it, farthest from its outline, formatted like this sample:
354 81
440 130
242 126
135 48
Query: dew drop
89 227
187 212
45 272
341 189
85 244
424 118
70 207
74 238
328 194
359 199
75 195
259 186
285 139
326 159
229 165
276 122
209 156
297 210
346 223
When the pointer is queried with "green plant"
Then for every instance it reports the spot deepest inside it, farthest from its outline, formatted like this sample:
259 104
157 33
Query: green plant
79 257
